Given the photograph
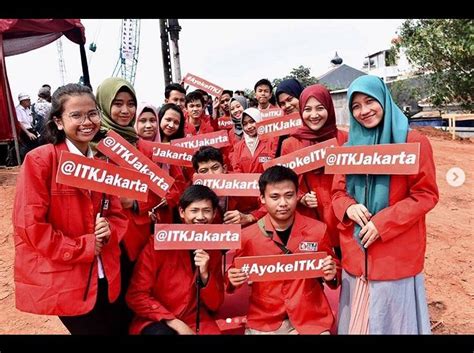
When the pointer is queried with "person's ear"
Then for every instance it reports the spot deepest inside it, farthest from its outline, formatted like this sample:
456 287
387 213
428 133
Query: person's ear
59 123
224 168
262 199
181 213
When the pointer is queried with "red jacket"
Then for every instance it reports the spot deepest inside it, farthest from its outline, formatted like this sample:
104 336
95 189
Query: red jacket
400 251
321 184
139 225
204 128
244 162
301 300
53 227
163 288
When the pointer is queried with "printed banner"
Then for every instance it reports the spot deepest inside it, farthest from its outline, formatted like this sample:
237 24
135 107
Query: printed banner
176 155
86 173
198 82
241 184
282 267
305 159
279 126
225 123
215 139
124 154
197 236
272 113
395 158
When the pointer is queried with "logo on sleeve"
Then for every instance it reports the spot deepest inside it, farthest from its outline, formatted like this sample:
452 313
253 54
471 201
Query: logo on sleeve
308 246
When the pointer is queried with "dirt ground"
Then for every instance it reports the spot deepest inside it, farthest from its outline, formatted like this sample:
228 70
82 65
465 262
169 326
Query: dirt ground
448 267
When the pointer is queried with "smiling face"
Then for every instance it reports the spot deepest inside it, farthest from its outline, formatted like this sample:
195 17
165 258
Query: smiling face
366 110
314 114
80 133
169 123
249 126
236 109
147 125
123 108
198 212
288 103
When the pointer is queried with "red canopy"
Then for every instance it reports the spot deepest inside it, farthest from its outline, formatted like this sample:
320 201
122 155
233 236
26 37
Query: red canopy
19 36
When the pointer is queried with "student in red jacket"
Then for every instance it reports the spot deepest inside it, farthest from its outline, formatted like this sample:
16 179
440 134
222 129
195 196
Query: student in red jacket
146 123
390 224
289 306
319 124
171 126
61 231
162 291
232 209
263 92
196 123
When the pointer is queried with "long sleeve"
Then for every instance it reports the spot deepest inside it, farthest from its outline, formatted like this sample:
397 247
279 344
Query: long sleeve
32 209
422 197
213 292
139 295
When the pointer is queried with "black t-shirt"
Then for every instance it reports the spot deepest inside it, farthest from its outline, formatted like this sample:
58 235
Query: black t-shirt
284 234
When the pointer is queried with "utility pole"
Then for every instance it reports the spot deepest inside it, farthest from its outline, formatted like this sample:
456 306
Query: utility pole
62 65
165 51
173 29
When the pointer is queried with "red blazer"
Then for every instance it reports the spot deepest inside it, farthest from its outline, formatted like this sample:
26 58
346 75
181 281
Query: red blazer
190 130
53 229
244 162
400 251
302 300
163 288
139 225
320 183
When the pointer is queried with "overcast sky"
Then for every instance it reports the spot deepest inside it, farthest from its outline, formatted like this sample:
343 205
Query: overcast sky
231 53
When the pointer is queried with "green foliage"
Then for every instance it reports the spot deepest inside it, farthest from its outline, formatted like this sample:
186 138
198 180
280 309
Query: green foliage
301 73
444 49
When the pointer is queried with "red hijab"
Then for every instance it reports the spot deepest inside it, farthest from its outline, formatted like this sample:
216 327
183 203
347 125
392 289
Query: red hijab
329 129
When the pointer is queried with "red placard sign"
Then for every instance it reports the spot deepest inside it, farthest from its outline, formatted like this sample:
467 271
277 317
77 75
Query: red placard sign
395 158
197 236
86 173
176 155
279 126
282 267
305 159
215 139
124 154
272 113
225 123
241 184
211 88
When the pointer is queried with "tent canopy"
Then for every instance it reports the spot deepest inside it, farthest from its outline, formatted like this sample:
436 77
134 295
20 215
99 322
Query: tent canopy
19 36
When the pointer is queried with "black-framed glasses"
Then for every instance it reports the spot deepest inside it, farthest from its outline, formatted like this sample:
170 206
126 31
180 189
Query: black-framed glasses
80 118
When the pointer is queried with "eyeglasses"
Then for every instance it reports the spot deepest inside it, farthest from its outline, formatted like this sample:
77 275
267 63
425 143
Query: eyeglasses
79 118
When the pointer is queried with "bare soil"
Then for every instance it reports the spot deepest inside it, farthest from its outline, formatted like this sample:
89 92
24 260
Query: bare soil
448 268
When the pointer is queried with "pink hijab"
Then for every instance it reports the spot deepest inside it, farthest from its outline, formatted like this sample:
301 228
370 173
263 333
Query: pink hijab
329 129
140 108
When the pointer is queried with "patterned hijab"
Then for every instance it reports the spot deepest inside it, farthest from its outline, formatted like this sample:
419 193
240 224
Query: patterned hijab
392 129
106 93
329 129
140 108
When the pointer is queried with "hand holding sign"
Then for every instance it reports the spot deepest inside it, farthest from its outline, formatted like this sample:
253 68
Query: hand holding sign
237 277
102 229
201 260
329 268
310 200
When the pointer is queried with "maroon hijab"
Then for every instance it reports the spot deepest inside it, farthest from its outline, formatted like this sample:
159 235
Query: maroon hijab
329 129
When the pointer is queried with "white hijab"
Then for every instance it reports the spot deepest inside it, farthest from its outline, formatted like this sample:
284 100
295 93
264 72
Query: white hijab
252 142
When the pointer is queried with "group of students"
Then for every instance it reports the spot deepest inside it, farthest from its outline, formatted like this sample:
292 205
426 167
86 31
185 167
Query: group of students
94 265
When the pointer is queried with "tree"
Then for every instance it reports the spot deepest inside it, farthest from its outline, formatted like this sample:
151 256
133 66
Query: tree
444 50
301 73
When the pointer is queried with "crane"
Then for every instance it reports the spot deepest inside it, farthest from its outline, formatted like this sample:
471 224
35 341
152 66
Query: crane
126 66
62 64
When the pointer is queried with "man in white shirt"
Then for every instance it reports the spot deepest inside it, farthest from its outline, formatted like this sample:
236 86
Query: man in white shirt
28 135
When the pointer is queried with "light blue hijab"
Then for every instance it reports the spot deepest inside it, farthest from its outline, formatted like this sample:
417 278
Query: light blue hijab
392 129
